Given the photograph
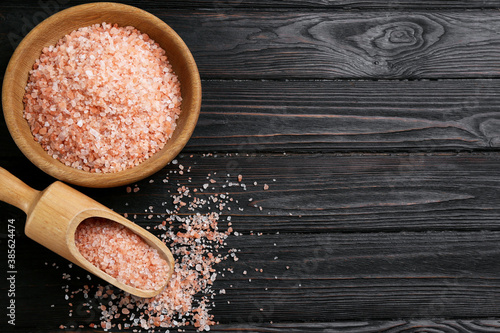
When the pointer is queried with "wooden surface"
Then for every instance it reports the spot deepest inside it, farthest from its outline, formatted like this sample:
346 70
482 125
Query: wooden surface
375 125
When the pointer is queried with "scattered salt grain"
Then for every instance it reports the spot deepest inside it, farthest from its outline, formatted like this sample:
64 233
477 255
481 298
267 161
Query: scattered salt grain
197 243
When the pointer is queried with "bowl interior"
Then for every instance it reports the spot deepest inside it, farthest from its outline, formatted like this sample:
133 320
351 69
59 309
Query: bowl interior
54 28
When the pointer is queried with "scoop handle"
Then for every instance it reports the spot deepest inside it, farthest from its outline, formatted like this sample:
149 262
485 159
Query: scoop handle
14 192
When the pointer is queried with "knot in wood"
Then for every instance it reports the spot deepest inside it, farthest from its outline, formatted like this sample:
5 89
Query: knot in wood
391 39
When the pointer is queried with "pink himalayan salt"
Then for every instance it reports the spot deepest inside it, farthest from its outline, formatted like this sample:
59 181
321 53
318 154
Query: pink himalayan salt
195 248
103 99
197 244
121 253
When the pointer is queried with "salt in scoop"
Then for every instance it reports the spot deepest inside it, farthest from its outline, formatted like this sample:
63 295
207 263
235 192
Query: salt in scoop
54 214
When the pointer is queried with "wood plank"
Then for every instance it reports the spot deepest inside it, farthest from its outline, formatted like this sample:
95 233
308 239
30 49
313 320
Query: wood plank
331 45
279 4
319 193
395 326
442 5
329 116
330 277
340 116
352 276
348 193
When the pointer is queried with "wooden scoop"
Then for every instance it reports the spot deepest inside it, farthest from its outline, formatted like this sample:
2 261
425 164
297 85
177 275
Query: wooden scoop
54 214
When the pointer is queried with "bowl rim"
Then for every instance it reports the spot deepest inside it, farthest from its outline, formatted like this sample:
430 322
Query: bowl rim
75 176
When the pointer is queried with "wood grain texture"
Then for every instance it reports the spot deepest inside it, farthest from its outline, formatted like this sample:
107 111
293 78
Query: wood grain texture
330 277
345 193
329 116
278 4
323 193
320 286
396 326
286 45
442 5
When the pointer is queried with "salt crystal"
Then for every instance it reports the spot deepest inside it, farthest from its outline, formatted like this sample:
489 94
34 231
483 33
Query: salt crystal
106 78
95 133
197 246
135 267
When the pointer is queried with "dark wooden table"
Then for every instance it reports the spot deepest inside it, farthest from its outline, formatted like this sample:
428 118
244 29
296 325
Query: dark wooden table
376 125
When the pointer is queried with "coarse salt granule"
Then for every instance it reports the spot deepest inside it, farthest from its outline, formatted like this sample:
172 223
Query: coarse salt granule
119 252
199 244
103 99
187 298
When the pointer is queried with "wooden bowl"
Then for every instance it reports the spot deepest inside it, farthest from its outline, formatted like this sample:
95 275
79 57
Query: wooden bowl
57 26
